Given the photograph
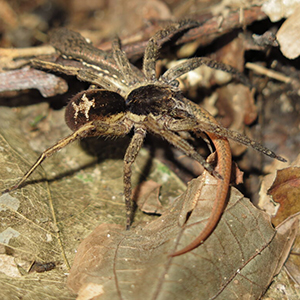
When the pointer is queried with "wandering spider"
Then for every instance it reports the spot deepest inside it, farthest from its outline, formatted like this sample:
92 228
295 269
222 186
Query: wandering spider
135 100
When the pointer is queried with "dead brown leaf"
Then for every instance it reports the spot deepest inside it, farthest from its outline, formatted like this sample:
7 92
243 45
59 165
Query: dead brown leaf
239 260
288 35
285 191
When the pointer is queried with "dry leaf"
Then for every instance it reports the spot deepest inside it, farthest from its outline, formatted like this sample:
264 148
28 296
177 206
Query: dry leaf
278 9
238 260
286 191
288 35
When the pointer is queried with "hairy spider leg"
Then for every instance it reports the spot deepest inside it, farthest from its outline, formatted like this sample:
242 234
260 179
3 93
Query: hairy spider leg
181 144
129 158
91 74
73 45
203 123
80 133
240 138
96 62
139 132
98 67
123 63
152 47
195 62
206 124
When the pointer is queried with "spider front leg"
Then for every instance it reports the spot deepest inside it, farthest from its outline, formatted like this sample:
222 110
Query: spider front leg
240 138
200 121
180 143
153 45
193 63
130 156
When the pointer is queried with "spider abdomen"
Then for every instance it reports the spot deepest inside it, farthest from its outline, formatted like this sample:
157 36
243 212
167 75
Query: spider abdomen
94 105
150 99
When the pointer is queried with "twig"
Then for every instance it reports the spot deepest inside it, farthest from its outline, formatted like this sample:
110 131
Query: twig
267 72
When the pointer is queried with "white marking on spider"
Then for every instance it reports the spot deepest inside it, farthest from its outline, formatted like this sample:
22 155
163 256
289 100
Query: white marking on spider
84 106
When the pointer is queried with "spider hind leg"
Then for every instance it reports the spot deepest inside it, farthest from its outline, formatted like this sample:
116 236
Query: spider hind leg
80 133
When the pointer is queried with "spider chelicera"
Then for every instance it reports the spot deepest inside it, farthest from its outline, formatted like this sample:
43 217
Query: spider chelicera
134 100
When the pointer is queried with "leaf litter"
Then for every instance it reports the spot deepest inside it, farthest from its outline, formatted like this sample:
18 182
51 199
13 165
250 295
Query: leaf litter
78 210
240 258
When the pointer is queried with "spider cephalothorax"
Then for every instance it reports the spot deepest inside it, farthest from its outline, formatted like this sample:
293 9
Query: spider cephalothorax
135 100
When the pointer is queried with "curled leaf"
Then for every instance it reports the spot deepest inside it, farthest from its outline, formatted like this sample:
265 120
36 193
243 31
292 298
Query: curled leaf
286 191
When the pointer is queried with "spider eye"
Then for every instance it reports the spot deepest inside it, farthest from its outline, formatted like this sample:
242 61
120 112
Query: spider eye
93 105
150 99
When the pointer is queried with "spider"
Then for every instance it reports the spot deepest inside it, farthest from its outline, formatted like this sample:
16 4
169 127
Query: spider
136 100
